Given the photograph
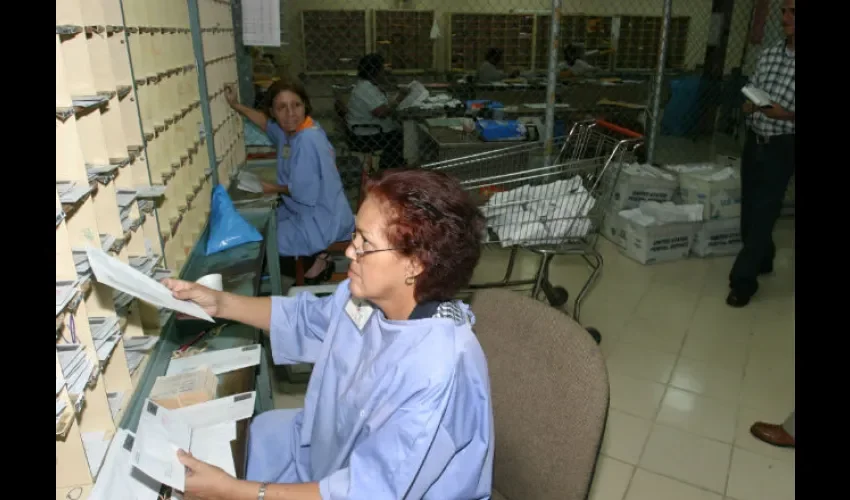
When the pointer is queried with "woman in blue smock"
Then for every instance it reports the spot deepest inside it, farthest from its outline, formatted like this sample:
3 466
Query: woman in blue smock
314 211
398 405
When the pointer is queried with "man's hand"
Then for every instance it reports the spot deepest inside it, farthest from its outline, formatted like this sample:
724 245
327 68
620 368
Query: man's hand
205 481
777 112
749 107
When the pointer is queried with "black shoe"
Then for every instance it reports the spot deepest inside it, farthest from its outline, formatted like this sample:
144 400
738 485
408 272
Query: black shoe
737 299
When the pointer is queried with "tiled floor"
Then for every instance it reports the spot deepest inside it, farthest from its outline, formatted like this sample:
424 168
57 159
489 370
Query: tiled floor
688 375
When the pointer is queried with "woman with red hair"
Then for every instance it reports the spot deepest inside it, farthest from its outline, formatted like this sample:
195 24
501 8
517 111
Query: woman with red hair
398 405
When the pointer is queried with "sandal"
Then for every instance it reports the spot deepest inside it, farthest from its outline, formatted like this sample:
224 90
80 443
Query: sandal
324 275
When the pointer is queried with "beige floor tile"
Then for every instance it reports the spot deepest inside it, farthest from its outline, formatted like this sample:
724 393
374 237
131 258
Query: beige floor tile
687 457
697 414
754 477
641 362
708 379
648 486
724 348
634 396
654 333
625 436
611 479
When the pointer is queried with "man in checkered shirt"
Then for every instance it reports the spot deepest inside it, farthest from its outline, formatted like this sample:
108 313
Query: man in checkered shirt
767 163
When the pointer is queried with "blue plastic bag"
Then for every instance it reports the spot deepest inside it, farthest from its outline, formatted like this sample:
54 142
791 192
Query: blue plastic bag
227 228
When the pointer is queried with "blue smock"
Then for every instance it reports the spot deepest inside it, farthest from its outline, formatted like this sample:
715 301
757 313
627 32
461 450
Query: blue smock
317 212
395 409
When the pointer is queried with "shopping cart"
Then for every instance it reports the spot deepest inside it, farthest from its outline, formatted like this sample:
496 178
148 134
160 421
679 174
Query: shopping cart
549 208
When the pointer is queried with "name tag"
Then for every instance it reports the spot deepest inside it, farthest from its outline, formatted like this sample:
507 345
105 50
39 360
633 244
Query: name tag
285 151
359 312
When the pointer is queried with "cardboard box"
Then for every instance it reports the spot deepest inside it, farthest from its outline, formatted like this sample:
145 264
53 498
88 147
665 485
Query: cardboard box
184 389
718 237
633 188
613 228
721 198
655 244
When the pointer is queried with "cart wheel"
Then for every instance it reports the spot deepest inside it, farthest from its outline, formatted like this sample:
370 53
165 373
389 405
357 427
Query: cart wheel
559 296
594 333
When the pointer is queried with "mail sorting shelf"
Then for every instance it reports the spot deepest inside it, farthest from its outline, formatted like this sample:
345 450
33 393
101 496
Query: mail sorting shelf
132 173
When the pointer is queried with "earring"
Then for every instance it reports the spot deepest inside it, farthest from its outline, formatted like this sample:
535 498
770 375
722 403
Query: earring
410 280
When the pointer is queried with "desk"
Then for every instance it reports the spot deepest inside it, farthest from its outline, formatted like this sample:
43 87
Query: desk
241 270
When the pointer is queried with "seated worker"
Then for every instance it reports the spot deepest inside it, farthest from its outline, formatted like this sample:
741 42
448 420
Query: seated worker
314 211
370 114
573 65
399 402
489 71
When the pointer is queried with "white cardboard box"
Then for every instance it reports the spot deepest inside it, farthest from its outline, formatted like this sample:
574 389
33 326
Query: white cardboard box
613 228
654 244
718 237
634 188
721 198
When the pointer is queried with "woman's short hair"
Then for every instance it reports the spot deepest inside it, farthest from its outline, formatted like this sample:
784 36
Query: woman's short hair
369 66
433 219
287 85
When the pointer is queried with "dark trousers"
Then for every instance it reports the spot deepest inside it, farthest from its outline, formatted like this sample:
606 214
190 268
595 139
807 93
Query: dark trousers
766 167
391 144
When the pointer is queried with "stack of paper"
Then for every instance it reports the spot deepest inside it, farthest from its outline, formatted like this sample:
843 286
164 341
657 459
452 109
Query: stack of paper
81 263
60 403
65 291
125 198
249 182
107 241
136 348
77 369
146 206
152 191
204 429
220 361
70 193
117 478
114 399
145 264
106 332
102 173
96 446
60 409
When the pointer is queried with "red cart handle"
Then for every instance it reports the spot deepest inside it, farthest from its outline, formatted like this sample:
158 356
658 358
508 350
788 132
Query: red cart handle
620 130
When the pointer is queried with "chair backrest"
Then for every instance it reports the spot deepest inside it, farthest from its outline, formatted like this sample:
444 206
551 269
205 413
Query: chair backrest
550 396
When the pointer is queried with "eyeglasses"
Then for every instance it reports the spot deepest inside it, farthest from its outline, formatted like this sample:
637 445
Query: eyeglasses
359 252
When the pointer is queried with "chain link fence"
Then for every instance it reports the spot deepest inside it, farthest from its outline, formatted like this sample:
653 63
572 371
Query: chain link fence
357 55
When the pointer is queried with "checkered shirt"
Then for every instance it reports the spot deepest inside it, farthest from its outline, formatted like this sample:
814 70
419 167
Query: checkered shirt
775 75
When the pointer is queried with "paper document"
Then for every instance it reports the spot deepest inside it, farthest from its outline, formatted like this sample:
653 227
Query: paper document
117 478
162 432
758 96
120 276
158 438
418 93
221 361
249 182
218 411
